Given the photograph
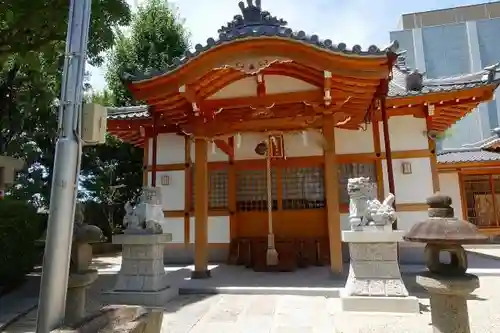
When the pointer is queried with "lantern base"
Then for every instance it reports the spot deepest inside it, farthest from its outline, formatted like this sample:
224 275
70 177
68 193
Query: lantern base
448 299
382 304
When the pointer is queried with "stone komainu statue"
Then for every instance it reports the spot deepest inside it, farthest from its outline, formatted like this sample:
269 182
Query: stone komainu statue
146 217
364 208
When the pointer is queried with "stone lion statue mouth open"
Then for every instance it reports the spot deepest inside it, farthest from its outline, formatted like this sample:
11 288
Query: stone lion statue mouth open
364 208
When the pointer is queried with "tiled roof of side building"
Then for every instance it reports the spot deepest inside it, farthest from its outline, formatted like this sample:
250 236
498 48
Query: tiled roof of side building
257 23
128 112
466 155
482 151
398 86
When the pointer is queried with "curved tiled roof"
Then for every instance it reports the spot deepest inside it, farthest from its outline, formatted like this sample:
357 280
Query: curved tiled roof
255 23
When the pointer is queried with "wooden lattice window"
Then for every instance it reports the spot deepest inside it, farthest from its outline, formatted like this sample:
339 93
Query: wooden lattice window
217 189
482 196
251 190
354 170
303 188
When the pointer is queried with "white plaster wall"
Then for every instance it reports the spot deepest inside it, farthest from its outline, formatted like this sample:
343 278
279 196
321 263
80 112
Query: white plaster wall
405 220
275 84
241 88
296 144
354 142
450 185
174 226
170 149
218 229
415 187
214 154
245 144
405 133
279 84
172 194
307 143
344 222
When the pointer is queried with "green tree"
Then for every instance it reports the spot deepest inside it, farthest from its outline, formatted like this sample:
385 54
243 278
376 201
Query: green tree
155 37
32 44
27 26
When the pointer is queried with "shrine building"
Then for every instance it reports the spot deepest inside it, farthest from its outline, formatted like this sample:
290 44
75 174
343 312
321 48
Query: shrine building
324 112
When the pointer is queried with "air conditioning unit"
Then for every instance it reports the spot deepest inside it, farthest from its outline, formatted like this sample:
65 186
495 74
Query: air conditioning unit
94 128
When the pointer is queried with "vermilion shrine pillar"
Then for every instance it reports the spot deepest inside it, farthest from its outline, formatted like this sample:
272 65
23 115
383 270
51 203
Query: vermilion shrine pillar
332 194
201 211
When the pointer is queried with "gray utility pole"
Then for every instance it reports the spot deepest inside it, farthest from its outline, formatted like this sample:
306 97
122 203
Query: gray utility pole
67 162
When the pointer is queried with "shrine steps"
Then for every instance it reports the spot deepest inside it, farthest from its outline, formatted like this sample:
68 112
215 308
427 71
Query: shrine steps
293 253
295 291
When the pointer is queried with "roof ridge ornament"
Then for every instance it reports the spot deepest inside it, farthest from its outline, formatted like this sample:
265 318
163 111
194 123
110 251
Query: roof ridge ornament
492 71
414 80
252 15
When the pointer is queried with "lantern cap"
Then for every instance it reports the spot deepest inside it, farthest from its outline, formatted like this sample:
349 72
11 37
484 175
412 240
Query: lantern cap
442 227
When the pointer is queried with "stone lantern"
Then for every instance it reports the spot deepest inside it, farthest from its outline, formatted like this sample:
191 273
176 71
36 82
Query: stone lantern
447 283
81 275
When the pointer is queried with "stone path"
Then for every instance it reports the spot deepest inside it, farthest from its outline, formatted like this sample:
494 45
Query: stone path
282 313
247 313
492 252
19 302
274 313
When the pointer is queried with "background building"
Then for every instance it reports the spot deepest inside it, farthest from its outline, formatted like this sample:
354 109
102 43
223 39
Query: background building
452 42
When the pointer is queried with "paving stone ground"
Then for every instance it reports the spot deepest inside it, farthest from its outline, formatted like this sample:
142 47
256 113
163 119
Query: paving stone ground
285 313
282 313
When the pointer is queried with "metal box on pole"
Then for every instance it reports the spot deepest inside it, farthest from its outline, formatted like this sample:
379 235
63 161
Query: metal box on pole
94 124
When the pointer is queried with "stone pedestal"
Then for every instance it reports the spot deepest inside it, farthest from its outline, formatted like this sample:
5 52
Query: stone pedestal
142 279
448 298
78 283
374 283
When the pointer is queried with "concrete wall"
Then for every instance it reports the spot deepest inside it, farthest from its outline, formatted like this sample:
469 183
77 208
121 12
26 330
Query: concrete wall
450 185
453 15
455 48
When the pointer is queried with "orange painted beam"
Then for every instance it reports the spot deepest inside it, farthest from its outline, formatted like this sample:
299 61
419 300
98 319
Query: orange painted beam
225 147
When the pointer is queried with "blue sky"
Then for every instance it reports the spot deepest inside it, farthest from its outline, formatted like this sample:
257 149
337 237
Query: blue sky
363 22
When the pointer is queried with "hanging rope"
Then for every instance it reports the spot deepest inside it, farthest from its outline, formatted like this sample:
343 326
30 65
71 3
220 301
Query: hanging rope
269 188
271 254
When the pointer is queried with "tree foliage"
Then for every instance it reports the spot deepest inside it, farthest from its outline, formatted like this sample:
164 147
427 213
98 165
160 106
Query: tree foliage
32 44
155 37
32 26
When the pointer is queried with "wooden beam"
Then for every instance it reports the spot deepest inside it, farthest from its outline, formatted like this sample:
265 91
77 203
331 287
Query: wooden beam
201 211
433 158
145 162
388 151
378 162
332 195
231 191
188 190
154 147
225 147
268 99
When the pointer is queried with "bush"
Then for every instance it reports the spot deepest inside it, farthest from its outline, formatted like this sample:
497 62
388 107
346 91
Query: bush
20 226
